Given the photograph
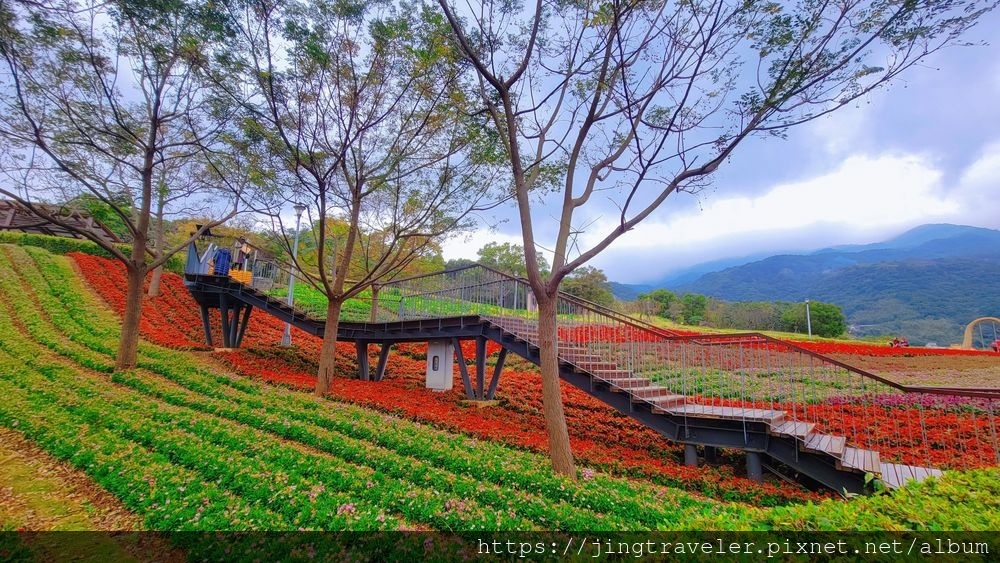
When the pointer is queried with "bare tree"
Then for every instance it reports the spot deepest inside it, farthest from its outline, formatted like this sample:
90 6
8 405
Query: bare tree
632 101
102 98
181 190
362 112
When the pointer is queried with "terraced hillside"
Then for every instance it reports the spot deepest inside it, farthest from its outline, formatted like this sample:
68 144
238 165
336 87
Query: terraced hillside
227 453
188 447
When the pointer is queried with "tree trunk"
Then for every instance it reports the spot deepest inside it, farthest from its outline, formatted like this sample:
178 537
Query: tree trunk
328 353
154 282
560 451
128 344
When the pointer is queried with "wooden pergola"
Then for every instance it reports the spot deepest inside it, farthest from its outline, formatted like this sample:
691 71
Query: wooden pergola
15 216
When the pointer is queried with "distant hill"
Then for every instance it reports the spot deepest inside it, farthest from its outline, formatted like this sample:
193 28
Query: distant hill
926 301
692 273
925 284
629 291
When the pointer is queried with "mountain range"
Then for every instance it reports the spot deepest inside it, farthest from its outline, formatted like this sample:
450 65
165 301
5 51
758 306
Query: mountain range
925 284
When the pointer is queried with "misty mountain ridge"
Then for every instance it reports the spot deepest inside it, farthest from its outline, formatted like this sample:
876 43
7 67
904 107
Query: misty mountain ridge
925 284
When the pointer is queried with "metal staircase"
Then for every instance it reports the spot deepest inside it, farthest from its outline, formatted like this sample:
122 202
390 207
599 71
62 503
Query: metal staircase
785 406
711 425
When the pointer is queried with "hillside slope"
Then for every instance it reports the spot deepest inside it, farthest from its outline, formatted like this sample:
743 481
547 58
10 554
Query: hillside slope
926 284
187 447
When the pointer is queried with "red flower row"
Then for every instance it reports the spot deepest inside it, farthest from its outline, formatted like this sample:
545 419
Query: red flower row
601 436
627 333
173 318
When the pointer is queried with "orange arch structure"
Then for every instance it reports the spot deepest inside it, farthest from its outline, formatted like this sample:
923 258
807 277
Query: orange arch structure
967 340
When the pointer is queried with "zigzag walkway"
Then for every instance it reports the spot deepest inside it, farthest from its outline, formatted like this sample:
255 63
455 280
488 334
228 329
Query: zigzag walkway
823 457
776 434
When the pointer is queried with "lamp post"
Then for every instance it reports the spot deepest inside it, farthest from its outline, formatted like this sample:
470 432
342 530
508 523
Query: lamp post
286 338
809 325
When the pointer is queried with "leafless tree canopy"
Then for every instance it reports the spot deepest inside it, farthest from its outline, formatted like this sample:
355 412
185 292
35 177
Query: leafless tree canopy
361 113
634 100
108 100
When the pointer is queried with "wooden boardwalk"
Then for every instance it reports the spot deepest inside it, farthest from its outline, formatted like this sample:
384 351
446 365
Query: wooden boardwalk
780 424
825 458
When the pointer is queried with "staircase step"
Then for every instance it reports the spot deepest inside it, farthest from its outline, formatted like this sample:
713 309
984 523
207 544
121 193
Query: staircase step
895 475
629 383
862 460
729 413
833 445
588 363
793 428
609 374
581 359
592 365
565 349
663 403
649 392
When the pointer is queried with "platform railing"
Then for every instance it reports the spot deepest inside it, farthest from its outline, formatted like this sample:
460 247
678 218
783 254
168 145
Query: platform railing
751 374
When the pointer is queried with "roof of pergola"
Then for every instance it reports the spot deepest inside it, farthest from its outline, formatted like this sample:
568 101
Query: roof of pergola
18 217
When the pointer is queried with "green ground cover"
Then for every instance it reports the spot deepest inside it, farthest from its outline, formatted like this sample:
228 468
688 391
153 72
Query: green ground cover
187 447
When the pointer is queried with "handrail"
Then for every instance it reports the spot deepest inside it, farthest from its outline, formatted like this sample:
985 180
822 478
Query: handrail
617 315
700 339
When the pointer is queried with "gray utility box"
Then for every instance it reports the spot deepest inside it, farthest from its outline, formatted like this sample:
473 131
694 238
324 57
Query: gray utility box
440 365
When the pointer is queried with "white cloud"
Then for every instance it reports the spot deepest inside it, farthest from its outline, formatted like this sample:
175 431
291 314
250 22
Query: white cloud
863 192
979 189
467 246
840 133
864 198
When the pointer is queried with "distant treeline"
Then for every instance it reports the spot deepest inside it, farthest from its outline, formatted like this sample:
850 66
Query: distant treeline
824 319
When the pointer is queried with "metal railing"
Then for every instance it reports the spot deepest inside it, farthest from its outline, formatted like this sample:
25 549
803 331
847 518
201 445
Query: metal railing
750 374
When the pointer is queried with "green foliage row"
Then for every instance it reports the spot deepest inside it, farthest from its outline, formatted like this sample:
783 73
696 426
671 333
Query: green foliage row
308 298
191 449
177 409
65 245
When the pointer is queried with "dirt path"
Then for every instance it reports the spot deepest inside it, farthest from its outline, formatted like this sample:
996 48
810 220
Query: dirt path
39 493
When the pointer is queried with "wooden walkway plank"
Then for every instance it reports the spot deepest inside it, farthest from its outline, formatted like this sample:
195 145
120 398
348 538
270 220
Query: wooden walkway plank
861 459
895 475
833 445
663 401
732 413
793 428
627 383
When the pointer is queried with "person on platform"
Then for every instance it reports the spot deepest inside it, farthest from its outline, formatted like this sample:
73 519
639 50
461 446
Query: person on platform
241 253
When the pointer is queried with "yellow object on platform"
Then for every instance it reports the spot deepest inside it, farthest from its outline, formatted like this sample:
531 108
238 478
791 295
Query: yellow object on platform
241 276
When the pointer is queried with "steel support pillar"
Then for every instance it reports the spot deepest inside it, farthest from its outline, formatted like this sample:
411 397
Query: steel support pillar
362 347
383 359
470 393
234 324
206 324
497 369
755 470
224 315
243 324
480 367
691 455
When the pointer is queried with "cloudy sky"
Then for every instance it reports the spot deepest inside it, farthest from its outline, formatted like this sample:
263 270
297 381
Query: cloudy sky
924 150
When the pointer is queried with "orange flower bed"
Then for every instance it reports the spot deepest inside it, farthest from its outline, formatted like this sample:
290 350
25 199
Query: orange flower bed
600 435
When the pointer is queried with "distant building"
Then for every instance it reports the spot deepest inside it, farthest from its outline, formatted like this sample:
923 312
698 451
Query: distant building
15 216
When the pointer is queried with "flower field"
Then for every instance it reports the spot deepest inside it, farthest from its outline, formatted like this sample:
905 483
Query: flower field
601 437
191 448
187 446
